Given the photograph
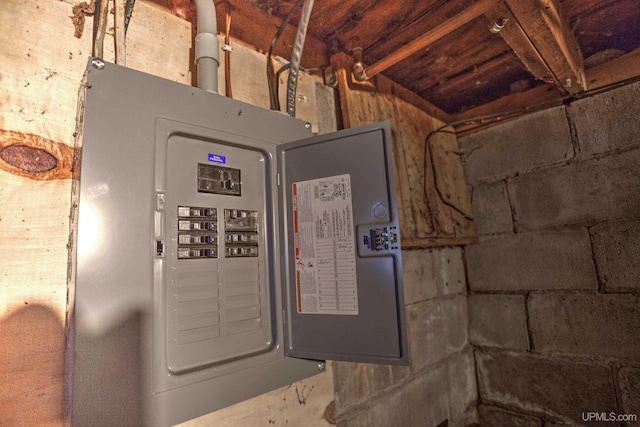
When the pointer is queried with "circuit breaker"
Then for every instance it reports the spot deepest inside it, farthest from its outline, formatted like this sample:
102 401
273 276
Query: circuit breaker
222 252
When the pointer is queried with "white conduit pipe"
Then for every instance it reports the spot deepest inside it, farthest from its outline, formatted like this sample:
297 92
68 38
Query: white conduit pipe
207 47
292 83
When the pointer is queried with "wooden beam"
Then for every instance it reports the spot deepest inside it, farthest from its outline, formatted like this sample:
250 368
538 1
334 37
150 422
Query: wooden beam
546 28
517 39
538 98
120 40
476 9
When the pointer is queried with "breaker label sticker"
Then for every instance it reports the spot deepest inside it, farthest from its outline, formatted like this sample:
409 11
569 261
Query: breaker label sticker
325 253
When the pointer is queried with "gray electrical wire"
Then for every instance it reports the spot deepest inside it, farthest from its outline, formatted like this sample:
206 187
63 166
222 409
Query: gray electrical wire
271 74
292 82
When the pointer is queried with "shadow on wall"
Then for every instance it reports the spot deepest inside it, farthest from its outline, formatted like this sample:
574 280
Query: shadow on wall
31 367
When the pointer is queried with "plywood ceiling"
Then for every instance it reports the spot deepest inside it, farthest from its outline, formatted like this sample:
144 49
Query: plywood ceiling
444 51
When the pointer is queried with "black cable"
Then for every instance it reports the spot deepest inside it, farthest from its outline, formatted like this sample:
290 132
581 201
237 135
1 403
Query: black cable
276 80
428 155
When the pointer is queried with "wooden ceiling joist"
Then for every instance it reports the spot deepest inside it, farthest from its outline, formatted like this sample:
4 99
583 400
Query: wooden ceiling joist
512 33
552 46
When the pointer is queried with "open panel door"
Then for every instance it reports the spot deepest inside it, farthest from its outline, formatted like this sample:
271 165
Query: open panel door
341 259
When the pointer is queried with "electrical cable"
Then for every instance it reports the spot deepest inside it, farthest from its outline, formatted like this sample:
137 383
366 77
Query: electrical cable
128 12
274 102
296 56
276 80
227 51
428 155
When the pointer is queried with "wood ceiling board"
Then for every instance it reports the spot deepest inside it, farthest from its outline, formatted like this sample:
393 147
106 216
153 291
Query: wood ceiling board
254 22
358 24
257 28
391 42
457 53
616 26
488 82
574 10
476 9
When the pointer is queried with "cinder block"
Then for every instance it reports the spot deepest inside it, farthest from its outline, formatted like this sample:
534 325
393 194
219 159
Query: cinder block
629 380
431 273
354 383
535 140
498 321
490 416
436 329
421 402
610 121
617 250
592 324
445 393
532 261
580 193
462 389
491 209
557 389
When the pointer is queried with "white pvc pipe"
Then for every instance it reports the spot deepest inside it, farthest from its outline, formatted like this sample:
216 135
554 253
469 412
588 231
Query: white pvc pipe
207 47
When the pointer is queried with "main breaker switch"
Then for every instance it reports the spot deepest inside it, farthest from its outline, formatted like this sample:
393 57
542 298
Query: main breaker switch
218 180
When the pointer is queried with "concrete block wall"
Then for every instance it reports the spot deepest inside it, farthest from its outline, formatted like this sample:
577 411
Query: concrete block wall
554 283
439 387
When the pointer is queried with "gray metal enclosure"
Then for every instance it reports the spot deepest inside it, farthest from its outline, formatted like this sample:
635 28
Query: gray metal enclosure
222 252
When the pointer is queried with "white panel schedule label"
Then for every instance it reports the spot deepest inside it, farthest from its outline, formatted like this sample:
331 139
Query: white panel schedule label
325 253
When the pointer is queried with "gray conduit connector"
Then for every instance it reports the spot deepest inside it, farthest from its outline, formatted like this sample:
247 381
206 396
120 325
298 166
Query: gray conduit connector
207 46
292 82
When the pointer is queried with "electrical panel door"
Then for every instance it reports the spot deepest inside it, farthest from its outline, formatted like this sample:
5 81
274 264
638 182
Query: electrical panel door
343 266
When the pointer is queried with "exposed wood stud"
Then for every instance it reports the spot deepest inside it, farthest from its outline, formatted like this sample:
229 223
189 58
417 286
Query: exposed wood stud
120 38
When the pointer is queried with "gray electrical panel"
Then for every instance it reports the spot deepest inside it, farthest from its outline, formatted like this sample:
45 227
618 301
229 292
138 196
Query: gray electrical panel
222 252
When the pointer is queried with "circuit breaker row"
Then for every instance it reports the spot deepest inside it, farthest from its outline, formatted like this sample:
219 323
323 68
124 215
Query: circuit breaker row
198 235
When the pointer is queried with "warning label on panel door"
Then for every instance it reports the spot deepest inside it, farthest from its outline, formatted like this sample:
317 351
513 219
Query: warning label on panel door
325 246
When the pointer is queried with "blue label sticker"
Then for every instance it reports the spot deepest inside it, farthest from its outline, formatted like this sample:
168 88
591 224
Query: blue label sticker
216 158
